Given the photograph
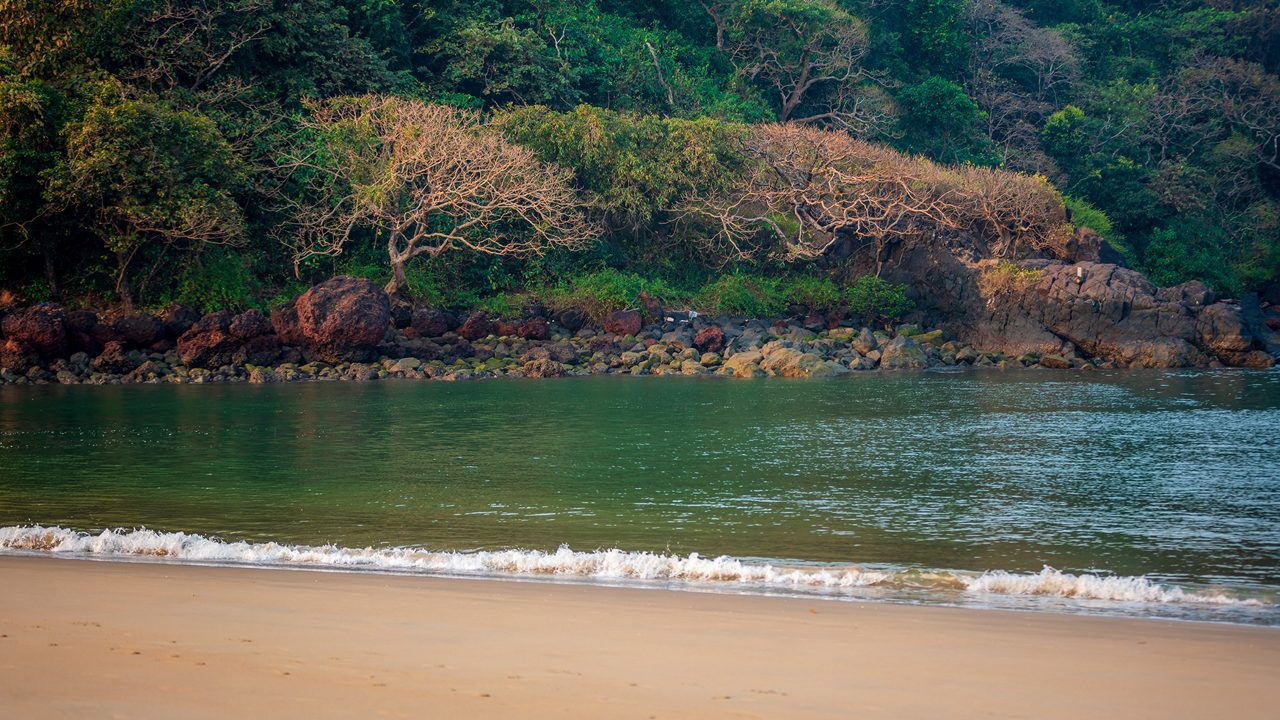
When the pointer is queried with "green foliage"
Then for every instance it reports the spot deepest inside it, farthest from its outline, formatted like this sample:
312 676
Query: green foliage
932 32
743 294
816 294
216 280
604 291
632 167
873 299
503 305
145 173
1176 254
1085 215
132 136
940 121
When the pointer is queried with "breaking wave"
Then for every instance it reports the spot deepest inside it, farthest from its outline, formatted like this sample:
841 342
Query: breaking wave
599 565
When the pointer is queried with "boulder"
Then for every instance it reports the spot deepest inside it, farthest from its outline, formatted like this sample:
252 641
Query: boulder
477 326
81 321
571 319
432 322
17 356
651 306
177 320
140 330
208 344
1194 293
624 322
117 360
543 368
284 320
1056 362
534 328
260 350
220 320
401 315
709 339
40 328
902 353
249 324
865 342
81 326
343 318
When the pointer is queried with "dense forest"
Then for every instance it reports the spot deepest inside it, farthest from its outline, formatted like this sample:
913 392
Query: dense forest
226 153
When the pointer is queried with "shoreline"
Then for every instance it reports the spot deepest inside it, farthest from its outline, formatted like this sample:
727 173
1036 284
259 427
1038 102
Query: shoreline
1046 591
153 640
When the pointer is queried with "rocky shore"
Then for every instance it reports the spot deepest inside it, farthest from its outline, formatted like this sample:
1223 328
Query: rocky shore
347 329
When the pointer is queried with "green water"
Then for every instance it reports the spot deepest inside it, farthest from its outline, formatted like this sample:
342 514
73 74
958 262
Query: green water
1174 475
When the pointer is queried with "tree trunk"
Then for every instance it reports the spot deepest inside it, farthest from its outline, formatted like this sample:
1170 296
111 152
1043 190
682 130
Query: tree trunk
50 273
122 280
398 283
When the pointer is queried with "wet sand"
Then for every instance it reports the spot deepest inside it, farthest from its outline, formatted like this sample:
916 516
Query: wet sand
96 639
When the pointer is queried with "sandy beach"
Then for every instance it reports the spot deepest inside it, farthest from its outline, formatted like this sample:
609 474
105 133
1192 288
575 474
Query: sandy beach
97 639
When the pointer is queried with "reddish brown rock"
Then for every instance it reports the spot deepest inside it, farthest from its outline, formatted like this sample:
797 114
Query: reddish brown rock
284 320
651 306
80 332
709 339
117 359
477 326
208 349
504 328
534 328
82 321
40 328
220 320
343 318
17 356
624 322
249 324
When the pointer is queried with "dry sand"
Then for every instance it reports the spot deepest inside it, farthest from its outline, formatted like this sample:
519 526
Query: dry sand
114 640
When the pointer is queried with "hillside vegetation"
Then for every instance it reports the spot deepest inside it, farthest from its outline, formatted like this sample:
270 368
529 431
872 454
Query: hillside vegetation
227 154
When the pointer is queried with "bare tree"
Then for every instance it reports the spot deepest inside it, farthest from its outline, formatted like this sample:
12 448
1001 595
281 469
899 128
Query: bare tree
428 179
807 188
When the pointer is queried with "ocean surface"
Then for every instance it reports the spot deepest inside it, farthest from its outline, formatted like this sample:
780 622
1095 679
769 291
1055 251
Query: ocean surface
1128 493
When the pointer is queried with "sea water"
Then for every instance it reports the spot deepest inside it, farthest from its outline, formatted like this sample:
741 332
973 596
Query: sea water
1130 492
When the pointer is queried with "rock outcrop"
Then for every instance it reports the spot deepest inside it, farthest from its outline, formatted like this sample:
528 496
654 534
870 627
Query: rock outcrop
1087 309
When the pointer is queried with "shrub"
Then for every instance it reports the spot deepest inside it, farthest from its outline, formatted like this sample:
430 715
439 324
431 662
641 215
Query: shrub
873 298
217 280
816 294
742 294
604 291
1006 278
1084 214
503 305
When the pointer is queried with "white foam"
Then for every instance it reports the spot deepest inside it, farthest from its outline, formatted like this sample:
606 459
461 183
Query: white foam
598 565
601 564
1121 588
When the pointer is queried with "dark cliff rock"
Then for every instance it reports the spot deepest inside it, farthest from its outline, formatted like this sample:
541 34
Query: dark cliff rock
1085 308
